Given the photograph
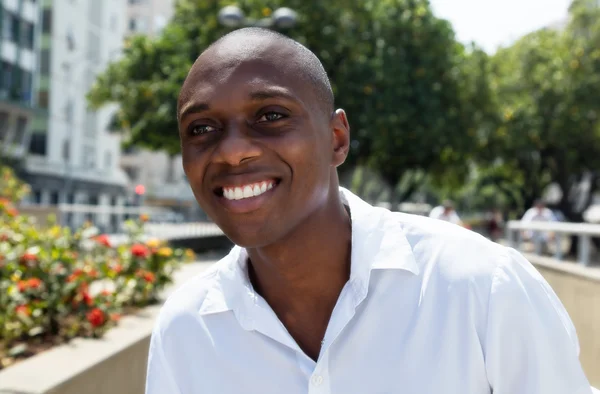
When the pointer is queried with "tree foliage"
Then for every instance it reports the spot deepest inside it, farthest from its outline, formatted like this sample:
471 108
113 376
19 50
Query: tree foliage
545 88
413 94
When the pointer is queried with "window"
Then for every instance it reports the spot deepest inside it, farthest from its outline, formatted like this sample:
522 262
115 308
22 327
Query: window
47 20
89 157
66 150
6 77
20 130
137 25
6 24
25 88
45 62
37 144
15 28
37 196
43 99
29 35
3 125
54 198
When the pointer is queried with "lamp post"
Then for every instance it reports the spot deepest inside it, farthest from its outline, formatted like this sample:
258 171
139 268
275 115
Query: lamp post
232 16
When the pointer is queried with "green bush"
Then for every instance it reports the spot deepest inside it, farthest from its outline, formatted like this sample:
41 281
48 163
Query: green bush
56 284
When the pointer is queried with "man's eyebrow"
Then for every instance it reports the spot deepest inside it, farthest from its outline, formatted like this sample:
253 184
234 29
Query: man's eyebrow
273 93
193 109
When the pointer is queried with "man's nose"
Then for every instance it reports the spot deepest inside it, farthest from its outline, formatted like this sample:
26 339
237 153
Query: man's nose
236 146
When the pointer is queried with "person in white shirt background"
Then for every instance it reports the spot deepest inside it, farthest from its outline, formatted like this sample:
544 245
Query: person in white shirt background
324 293
539 213
445 212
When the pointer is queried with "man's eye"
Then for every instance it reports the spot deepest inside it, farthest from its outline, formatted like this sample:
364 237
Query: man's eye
270 117
201 129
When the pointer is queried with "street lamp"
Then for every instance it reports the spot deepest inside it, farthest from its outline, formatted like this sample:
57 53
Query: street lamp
233 16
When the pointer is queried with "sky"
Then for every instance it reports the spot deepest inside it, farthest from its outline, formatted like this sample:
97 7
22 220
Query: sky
493 23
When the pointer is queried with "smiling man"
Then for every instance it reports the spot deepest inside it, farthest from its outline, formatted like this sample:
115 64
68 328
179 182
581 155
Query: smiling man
323 292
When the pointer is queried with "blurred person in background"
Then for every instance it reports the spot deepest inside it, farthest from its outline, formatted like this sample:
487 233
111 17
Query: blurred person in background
495 224
446 212
539 213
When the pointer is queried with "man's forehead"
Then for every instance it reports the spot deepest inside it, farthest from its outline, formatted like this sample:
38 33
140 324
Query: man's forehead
249 70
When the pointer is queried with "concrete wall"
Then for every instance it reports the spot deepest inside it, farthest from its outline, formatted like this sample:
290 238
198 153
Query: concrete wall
115 364
578 288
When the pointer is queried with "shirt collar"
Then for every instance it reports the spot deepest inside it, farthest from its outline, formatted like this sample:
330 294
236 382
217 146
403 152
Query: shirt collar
378 243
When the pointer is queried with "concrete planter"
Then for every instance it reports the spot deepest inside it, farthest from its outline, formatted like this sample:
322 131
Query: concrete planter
578 288
114 364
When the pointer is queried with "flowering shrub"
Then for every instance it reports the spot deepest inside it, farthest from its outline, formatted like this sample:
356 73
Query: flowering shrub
56 284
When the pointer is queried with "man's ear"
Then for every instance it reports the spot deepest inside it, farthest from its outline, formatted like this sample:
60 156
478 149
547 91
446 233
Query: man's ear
341 137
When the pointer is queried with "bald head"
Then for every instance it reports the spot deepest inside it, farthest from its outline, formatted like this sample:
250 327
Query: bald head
258 44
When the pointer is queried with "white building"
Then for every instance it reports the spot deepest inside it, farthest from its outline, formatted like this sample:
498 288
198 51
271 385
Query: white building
73 158
19 33
162 176
148 16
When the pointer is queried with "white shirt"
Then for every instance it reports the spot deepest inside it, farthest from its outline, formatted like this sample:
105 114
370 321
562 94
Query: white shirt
430 308
440 214
535 215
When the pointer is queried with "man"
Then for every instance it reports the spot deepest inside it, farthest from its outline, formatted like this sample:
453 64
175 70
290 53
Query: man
325 293
539 213
445 212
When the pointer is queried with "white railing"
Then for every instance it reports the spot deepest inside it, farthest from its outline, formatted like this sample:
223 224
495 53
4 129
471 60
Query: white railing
168 231
584 231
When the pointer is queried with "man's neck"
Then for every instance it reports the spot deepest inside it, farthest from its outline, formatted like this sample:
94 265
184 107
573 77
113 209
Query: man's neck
310 264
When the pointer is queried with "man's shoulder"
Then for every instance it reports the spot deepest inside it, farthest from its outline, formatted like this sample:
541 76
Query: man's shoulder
452 250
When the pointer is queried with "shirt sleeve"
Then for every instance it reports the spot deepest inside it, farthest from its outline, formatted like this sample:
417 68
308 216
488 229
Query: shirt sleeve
159 376
531 346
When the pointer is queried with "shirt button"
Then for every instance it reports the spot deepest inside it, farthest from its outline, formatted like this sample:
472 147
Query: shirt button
317 380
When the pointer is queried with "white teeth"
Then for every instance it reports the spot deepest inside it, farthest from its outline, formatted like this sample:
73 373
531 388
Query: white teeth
238 193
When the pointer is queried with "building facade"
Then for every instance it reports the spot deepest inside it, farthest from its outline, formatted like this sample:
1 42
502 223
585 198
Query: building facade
73 157
148 16
19 41
161 175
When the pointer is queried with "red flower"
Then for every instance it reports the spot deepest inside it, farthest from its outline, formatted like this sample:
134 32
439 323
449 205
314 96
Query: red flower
149 277
144 218
106 293
103 240
28 258
96 317
75 275
22 285
34 283
115 317
3 237
118 268
87 298
23 310
140 250
12 212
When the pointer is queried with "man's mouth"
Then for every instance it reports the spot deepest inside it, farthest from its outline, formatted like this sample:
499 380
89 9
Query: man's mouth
250 190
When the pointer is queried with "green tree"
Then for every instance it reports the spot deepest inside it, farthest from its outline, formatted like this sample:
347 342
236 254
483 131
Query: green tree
546 88
411 91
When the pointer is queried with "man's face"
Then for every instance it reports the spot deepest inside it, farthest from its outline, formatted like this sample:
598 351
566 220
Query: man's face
258 148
